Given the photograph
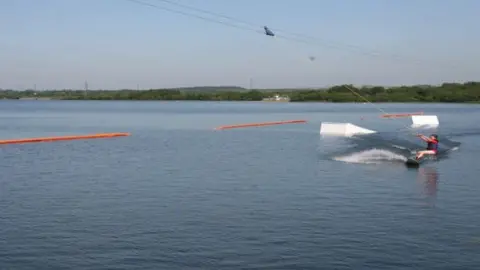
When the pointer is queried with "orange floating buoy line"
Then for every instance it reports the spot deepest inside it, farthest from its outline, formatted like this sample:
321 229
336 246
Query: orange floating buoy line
261 124
398 115
64 138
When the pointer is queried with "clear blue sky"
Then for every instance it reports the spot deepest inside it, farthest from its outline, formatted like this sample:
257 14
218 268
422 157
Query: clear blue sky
118 44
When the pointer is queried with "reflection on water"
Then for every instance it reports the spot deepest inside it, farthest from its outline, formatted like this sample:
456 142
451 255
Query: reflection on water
428 177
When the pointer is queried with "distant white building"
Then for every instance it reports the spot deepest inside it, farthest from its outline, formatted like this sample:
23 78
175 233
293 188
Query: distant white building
278 98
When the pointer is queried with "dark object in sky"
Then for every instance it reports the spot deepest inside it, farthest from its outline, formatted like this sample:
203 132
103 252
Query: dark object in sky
312 58
268 32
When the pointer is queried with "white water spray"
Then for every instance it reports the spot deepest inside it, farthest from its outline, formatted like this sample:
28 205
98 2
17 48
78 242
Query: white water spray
371 156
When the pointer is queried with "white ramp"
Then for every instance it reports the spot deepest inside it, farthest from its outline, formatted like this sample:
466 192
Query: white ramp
342 129
429 121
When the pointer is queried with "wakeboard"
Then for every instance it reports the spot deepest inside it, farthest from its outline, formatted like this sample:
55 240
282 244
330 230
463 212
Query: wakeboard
413 162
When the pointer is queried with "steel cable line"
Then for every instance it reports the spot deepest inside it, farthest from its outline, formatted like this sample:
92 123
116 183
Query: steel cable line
290 36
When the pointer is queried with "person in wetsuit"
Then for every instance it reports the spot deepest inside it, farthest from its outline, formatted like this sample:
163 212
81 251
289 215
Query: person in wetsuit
432 145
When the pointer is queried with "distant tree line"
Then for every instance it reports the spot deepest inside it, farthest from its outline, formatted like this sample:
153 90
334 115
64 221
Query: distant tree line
447 92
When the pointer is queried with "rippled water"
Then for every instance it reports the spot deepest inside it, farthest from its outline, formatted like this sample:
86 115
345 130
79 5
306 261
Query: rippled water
178 195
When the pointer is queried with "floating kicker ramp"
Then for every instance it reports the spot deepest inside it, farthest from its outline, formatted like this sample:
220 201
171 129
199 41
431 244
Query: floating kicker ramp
349 129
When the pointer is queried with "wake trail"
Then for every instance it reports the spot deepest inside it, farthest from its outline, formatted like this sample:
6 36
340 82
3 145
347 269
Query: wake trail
371 156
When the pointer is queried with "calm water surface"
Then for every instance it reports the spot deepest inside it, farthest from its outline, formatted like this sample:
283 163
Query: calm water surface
178 195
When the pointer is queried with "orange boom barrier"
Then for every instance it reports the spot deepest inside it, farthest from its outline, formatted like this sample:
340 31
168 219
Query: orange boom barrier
64 138
398 115
262 124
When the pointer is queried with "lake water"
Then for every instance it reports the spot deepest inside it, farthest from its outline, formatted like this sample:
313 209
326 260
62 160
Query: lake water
178 195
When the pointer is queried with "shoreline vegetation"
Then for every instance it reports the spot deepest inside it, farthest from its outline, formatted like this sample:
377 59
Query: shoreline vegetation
468 92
